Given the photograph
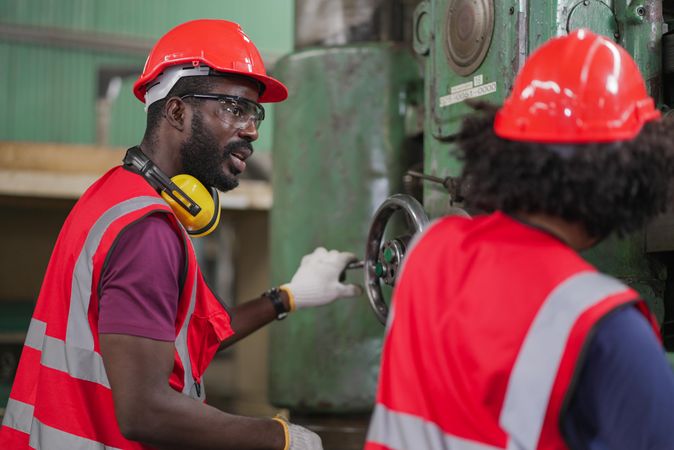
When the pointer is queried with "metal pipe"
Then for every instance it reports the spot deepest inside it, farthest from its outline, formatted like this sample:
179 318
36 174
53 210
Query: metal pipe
63 37
522 33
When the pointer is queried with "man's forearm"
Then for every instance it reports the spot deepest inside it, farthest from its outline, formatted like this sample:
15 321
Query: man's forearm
252 315
175 421
148 410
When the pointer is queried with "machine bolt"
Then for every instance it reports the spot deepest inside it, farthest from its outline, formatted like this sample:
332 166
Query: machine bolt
389 255
586 2
379 270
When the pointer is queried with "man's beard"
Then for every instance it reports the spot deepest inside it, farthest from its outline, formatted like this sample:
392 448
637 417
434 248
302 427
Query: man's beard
202 157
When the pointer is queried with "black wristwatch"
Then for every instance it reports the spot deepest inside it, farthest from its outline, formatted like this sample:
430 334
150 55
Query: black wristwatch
274 294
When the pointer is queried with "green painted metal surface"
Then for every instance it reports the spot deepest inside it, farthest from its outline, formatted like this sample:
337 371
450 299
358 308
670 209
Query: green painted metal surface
442 120
635 24
339 152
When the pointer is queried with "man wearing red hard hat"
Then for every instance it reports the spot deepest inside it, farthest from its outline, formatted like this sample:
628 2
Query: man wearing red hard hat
501 336
125 324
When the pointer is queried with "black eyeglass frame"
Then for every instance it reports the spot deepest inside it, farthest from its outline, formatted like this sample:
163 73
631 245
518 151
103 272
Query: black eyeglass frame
258 118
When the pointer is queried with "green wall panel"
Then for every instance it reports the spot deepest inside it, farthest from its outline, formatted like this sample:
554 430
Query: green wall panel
5 69
50 94
268 22
50 91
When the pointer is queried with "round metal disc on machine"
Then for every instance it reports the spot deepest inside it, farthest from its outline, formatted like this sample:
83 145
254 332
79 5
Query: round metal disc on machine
595 15
468 29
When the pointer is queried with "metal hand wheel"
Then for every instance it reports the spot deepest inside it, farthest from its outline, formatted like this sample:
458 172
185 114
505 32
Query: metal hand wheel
384 259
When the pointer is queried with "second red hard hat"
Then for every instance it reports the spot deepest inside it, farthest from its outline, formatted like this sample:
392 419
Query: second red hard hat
578 88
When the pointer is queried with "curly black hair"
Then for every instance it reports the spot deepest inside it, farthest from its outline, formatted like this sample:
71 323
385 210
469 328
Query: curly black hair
606 187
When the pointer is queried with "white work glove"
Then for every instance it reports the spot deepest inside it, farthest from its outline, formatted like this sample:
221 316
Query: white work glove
316 281
299 438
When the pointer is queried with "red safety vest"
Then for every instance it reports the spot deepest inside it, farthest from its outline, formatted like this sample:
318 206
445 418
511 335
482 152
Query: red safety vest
61 397
488 321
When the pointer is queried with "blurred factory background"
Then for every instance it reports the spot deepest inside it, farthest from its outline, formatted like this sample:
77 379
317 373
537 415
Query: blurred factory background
377 88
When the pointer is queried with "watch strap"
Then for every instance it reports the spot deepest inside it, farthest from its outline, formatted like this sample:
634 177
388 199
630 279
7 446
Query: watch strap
274 295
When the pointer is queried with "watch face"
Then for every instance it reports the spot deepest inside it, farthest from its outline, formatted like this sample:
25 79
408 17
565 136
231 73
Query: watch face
274 296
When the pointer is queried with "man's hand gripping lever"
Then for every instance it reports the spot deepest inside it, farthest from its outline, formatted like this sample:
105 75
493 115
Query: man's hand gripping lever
317 280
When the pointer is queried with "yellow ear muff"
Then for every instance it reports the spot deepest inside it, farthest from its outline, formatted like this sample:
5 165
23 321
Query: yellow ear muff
205 221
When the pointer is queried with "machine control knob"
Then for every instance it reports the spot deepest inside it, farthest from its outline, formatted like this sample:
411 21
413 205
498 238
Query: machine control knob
383 259
389 255
379 270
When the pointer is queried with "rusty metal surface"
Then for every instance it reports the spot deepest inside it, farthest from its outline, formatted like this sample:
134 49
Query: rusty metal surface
446 89
340 150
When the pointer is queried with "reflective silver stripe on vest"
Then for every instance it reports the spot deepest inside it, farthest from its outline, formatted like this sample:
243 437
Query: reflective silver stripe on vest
19 416
44 437
35 335
79 363
535 369
404 431
181 348
76 356
78 331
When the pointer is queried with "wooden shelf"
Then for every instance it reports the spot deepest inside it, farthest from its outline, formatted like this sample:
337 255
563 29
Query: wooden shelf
59 171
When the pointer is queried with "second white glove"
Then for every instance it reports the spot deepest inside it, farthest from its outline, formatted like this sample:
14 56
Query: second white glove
316 281
299 438
303 439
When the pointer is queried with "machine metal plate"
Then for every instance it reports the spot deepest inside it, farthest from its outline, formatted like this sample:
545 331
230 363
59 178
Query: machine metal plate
468 30
595 15
465 61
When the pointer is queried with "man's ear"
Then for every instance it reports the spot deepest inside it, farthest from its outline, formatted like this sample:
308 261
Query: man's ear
176 113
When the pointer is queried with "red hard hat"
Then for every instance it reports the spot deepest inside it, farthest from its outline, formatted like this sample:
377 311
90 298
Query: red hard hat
577 88
218 44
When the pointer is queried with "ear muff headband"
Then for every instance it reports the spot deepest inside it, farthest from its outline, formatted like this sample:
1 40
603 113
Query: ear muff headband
196 207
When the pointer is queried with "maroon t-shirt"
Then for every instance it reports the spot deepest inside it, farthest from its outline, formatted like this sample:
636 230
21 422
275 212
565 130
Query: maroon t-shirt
140 285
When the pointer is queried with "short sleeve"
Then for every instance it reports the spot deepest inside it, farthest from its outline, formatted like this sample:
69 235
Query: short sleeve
625 391
140 284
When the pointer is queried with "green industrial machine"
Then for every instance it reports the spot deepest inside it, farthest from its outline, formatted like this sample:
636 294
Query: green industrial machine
343 140
473 49
342 147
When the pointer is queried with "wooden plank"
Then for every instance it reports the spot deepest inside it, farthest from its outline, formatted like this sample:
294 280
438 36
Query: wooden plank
45 170
59 158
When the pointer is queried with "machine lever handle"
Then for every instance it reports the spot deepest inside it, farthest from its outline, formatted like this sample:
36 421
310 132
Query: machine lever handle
352 265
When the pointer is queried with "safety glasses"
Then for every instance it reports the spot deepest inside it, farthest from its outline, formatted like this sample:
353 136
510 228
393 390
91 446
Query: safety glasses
236 111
